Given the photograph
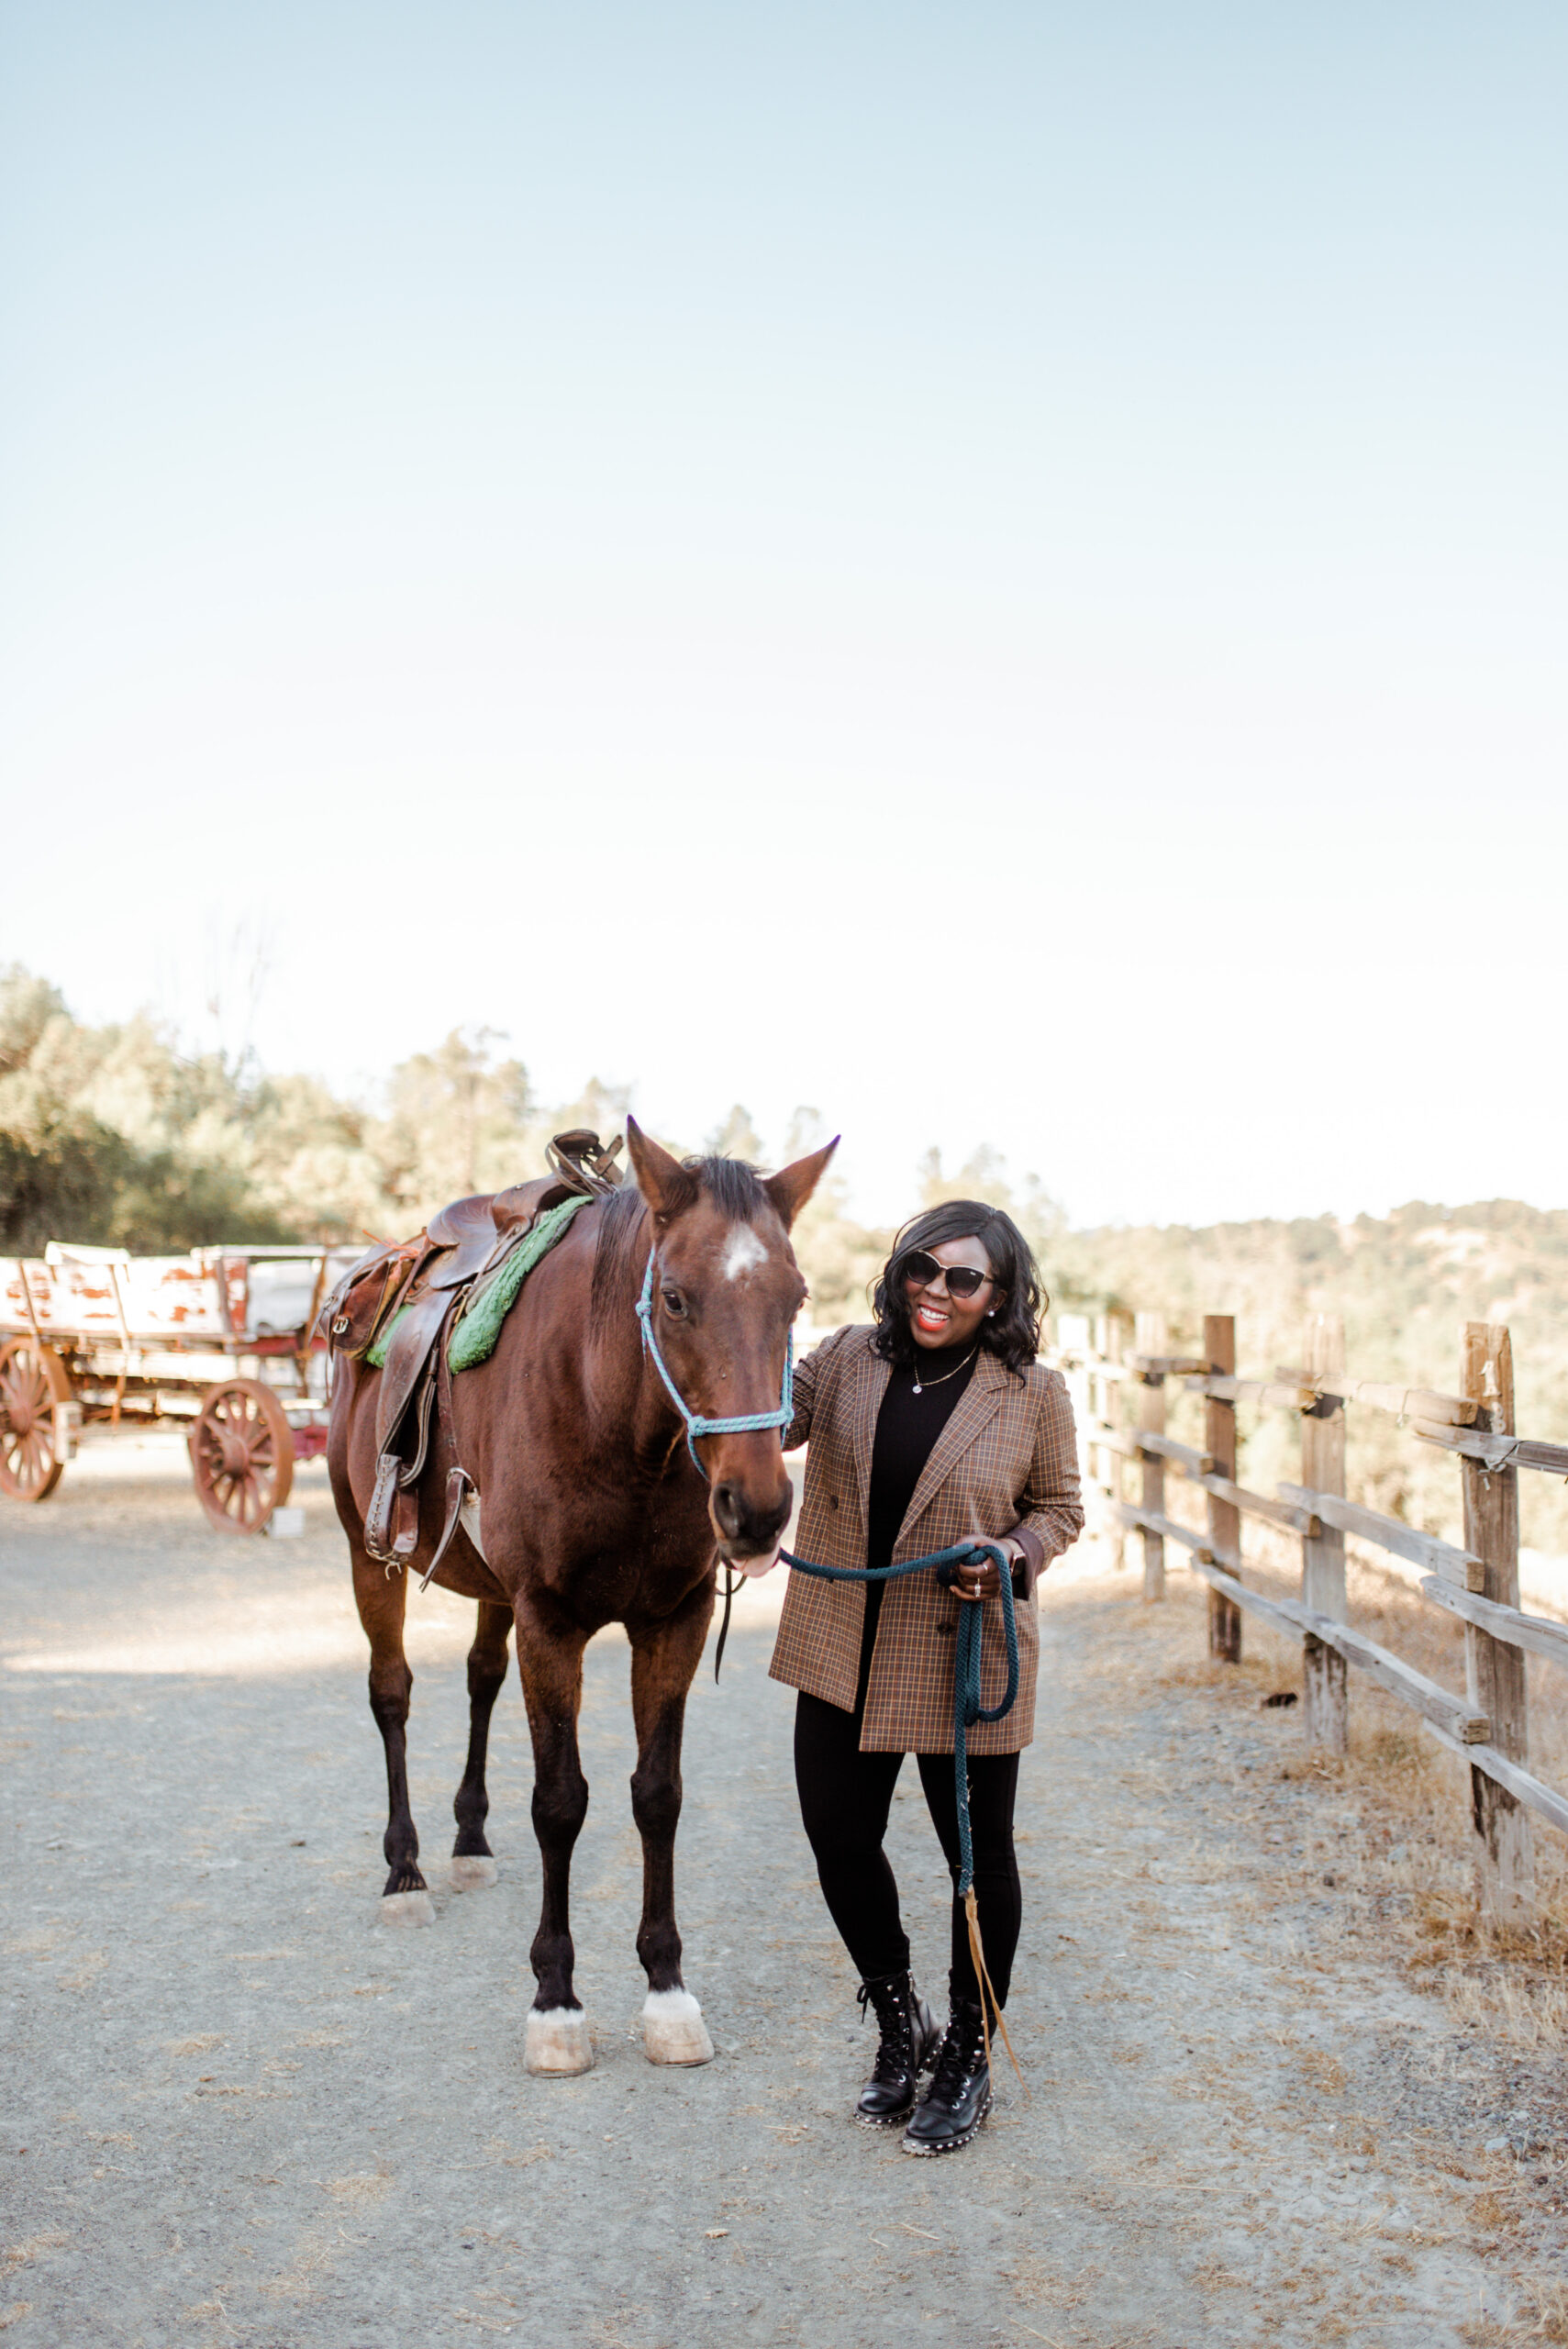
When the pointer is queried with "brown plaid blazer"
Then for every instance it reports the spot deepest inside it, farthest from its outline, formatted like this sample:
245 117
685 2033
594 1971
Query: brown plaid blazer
1007 1461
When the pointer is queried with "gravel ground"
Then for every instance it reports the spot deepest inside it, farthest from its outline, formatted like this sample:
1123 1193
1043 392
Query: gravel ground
235 2109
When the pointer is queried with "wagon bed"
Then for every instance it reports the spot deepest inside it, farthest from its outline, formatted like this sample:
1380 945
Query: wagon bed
221 1341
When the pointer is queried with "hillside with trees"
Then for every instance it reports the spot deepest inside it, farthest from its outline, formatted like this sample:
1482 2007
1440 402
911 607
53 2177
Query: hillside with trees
113 1135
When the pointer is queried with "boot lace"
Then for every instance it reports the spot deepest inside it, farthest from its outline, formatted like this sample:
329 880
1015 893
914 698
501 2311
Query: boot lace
896 2048
960 2057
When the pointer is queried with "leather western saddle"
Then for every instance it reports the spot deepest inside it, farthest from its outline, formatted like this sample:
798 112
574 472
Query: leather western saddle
421 1285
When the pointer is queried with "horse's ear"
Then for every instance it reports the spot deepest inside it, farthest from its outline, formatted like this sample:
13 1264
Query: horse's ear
662 1180
792 1186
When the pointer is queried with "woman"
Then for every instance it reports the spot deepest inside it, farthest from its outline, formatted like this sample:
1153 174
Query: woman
934 1424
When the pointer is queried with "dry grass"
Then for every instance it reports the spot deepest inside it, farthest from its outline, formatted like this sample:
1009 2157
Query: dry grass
1414 1860
1402 1853
21 2253
364 2189
1542 2315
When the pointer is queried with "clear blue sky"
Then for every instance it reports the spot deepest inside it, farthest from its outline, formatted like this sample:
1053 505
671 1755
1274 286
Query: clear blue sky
996 569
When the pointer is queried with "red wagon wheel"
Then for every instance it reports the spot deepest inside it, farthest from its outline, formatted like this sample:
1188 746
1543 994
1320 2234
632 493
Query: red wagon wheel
33 1379
242 1456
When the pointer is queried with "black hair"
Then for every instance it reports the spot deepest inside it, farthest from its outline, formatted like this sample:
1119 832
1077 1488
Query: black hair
732 1184
1014 1336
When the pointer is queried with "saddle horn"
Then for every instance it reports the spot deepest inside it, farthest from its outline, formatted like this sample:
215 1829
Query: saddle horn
580 1159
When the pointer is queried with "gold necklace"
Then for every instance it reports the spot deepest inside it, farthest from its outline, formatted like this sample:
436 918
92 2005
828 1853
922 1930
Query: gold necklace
921 1385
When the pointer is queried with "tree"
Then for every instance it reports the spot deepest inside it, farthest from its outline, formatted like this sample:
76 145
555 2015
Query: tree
737 1137
457 1122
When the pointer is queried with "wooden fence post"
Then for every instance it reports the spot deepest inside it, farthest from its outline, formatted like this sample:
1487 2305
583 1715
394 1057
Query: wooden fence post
1072 1338
1325 1712
1150 1393
1504 1854
1224 1517
1112 1331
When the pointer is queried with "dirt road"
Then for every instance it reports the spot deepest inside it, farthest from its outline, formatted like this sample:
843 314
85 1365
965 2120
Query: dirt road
236 2111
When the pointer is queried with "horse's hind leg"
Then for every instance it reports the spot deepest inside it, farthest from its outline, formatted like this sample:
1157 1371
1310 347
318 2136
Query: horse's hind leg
549 1661
381 1599
472 1864
664 1657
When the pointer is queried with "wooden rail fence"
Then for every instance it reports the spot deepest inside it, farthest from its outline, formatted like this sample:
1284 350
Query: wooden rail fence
1119 1368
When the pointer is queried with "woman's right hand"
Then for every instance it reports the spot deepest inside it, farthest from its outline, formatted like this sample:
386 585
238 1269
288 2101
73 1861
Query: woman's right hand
982 1577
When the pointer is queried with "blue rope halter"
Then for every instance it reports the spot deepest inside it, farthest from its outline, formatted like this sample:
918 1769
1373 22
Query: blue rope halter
742 1423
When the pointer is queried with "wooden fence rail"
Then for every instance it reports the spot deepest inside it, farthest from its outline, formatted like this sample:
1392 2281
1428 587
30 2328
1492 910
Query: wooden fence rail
1119 1393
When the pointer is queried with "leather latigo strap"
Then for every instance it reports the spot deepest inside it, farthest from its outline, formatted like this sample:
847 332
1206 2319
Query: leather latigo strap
383 1501
460 1483
404 1407
407 1358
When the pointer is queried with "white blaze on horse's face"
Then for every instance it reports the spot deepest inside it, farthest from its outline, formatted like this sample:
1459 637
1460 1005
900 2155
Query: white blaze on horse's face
743 1252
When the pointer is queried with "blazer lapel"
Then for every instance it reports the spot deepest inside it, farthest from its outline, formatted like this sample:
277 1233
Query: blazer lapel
980 1401
870 1387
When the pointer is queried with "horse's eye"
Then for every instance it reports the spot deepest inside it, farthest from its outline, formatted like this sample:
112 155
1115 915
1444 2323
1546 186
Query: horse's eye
675 1302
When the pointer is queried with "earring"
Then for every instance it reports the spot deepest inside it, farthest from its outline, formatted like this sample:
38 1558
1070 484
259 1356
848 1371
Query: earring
991 1313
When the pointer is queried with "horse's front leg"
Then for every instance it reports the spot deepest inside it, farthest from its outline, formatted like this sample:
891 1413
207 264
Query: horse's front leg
664 1658
472 1864
550 1660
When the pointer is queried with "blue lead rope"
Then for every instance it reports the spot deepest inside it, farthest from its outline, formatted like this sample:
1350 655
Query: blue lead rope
967 1709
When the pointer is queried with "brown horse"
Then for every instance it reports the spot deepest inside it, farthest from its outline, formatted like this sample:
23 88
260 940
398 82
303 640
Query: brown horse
592 1510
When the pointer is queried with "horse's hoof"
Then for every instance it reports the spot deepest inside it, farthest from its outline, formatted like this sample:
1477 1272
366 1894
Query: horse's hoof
407 1909
472 1871
672 2029
558 2041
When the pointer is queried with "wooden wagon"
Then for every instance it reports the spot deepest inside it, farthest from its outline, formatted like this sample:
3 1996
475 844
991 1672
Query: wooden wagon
220 1342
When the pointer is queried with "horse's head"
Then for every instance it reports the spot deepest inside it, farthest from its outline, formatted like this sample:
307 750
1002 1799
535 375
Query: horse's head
726 1288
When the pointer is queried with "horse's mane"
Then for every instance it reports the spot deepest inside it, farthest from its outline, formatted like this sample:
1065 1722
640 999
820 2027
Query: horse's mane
733 1185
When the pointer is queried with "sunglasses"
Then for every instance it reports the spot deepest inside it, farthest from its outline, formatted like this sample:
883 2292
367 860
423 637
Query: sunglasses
921 1271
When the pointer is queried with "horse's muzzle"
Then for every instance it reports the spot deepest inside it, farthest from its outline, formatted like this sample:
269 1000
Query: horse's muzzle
746 1531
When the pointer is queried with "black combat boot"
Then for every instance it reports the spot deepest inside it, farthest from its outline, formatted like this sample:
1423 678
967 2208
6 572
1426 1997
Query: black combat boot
909 2040
959 2096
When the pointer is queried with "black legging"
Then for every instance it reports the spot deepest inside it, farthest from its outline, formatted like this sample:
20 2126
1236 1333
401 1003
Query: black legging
845 1796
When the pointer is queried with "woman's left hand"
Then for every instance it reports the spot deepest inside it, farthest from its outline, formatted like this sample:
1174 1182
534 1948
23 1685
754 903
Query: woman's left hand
982 1579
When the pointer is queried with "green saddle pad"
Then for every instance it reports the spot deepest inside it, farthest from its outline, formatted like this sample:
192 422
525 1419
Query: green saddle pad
474 1339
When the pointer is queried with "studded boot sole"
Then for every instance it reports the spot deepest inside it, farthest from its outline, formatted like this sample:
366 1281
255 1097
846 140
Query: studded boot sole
954 2144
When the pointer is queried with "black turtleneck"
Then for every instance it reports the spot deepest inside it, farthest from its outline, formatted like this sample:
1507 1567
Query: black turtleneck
907 1426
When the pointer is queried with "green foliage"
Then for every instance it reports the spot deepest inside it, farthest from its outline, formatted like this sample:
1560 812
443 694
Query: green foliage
1402 1285
113 1135
737 1137
839 1257
116 1137
107 1135
457 1122
984 1175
